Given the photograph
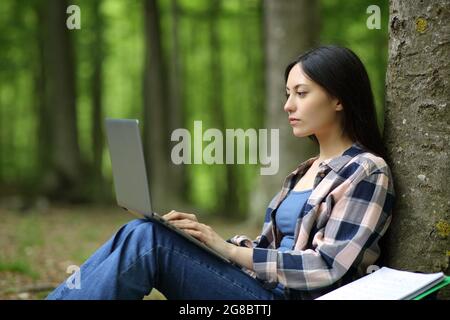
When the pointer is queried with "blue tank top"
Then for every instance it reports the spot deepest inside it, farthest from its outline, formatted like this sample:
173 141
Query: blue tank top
287 215
286 220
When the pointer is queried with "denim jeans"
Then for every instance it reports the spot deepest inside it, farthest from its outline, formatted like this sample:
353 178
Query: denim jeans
143 255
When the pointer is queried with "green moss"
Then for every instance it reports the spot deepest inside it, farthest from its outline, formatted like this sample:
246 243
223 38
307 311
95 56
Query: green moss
443 228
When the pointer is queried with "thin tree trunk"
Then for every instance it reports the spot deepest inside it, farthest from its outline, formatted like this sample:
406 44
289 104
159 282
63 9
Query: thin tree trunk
291 27
155 112
43 112
417 135
2 136
97 114
229 204
176 107
66 168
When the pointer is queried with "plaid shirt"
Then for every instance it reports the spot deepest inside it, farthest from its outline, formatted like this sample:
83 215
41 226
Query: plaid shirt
338 228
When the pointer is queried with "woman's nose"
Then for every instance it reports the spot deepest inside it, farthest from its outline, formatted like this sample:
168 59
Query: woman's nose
289 106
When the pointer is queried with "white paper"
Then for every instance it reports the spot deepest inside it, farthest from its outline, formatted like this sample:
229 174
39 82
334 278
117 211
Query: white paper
385 284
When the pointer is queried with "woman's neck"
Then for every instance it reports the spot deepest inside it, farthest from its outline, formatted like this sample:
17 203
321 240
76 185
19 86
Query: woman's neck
331 147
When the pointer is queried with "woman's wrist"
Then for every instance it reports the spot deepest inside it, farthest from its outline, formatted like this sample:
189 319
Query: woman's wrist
242 256
230 251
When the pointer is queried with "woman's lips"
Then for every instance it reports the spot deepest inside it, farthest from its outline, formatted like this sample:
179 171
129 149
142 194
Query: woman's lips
293 121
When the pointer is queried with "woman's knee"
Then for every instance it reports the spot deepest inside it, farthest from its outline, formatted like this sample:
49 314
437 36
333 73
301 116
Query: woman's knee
143 229
133 224
148 232
132 227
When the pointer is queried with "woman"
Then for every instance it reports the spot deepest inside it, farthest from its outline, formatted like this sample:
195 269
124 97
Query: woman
320 231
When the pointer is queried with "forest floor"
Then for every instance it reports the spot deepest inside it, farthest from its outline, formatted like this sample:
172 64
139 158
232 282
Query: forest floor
36 248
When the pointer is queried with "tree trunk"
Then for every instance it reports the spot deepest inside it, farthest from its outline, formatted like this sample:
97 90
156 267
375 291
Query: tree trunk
43 112
176 107
417 134
229 203
66 169
97 114
291 27
155 114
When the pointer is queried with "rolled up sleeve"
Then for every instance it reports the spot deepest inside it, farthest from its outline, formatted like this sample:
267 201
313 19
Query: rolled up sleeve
243 241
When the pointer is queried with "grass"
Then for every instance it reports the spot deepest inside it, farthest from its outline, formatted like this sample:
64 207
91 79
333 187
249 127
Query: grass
37 247
18 266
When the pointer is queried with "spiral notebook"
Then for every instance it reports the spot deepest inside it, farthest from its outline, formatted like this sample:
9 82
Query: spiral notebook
389 284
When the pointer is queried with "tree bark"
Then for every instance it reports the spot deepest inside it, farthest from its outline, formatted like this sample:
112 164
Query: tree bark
43 112
155 114
417 135
97 112
291 27
229 204
66 169
176 120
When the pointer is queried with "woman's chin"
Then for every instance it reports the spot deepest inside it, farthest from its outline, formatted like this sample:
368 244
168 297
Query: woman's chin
299 133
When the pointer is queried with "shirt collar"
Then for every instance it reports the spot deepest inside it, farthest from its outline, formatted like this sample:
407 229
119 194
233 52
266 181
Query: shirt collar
338 162
335 163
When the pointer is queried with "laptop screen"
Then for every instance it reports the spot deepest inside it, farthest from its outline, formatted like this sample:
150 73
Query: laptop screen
128 165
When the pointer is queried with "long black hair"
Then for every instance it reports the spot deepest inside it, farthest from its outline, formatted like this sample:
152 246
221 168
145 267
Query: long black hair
342 74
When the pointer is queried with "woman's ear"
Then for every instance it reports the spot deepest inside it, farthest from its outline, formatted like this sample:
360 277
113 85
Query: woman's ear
338 105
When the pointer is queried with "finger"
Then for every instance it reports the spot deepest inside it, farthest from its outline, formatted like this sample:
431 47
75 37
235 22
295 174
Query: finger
185 223
185 215
203 228
195 233
167 215
192 216
177 215
172 215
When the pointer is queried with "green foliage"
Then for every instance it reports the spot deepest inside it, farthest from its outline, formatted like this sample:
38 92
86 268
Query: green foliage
344 23
239 54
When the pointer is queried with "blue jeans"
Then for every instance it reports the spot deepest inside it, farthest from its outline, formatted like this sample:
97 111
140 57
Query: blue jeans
143 255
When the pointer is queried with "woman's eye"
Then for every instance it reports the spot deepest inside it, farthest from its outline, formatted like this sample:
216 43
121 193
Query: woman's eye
302 93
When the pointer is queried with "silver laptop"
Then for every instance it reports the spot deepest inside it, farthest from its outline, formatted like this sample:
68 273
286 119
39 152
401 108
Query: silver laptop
130 175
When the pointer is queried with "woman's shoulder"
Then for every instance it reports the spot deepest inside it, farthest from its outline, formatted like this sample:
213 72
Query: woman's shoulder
367 163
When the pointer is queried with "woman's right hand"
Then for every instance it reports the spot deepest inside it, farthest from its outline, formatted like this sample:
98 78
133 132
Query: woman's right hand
176 215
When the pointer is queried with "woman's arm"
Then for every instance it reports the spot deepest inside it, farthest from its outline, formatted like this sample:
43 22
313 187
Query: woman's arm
242 256
188 223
